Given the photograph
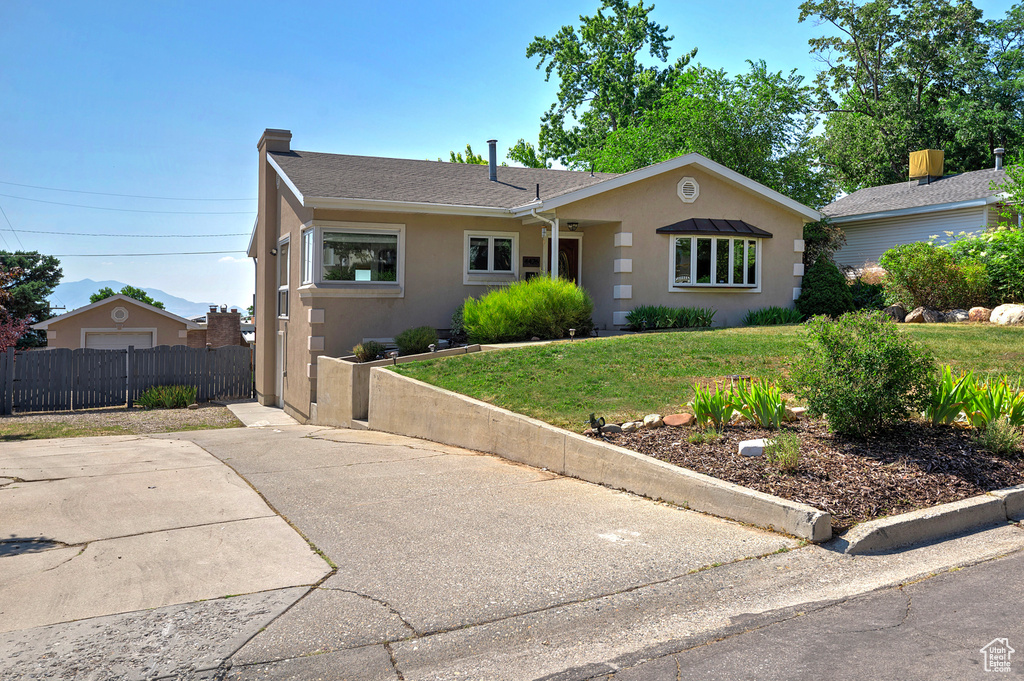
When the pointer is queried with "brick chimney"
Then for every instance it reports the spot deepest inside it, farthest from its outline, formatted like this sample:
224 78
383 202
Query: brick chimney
223 328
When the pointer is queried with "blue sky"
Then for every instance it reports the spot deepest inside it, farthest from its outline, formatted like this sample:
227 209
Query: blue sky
168 100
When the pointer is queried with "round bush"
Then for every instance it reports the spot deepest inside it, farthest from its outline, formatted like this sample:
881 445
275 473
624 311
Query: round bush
1002 252
923 274
825 291
417 340
862 373
540 307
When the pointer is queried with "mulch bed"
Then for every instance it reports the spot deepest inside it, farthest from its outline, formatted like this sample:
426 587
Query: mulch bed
911 467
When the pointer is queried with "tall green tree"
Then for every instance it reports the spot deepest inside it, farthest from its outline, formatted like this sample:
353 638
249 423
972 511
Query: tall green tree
127 290
894 68
759 123
603 84
33 277
525 153
470 157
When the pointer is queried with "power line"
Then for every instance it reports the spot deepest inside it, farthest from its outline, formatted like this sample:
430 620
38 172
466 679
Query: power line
133 210
126 196
137 255
12 228
153 236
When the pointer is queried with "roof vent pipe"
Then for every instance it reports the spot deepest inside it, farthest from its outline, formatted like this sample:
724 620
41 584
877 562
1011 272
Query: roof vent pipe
999 151
492 161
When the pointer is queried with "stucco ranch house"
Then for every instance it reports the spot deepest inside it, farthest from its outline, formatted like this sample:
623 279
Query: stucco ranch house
350 248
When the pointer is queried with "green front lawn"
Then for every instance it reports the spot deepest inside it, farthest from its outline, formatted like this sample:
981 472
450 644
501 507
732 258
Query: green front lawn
626 377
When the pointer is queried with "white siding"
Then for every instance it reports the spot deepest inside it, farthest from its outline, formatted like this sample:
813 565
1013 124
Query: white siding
867 241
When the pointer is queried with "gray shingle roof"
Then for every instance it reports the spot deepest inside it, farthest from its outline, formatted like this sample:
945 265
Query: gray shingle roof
390 179
904 195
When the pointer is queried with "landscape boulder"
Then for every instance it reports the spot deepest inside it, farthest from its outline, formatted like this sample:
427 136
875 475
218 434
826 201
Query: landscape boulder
896 312
954 316
915 316
631 426
679 420
1008 314
932 316
752 448
979 314
653 421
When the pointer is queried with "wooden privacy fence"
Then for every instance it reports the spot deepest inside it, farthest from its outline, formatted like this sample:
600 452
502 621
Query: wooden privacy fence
62 379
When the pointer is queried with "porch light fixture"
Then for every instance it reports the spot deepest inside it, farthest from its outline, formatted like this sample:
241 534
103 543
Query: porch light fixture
273 251
573 226
393 356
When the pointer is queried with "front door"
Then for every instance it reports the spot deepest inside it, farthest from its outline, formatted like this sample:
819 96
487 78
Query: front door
568 258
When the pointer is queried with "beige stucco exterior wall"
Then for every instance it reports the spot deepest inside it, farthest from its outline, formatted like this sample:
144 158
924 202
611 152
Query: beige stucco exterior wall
641 208
68 333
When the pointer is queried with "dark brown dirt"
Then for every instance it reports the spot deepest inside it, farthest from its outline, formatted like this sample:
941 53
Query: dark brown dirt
914 466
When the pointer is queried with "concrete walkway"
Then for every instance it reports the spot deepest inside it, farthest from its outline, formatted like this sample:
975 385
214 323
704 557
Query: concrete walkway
255 415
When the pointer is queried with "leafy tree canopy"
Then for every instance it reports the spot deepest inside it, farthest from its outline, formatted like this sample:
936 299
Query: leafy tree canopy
904 75
130 291
30 279
12 328
470 157
759 123
525 153
603 85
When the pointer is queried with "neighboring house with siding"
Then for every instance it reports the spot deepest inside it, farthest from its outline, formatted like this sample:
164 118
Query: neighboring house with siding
116 323
350 248
876 219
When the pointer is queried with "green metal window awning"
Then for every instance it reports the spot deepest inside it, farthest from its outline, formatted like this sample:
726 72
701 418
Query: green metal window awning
715 227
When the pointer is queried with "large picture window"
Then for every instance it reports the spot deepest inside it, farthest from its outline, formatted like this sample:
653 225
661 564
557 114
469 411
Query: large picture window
354 256
713 261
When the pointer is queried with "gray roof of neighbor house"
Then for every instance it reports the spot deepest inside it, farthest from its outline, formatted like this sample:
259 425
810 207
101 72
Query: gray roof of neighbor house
392 179
906 196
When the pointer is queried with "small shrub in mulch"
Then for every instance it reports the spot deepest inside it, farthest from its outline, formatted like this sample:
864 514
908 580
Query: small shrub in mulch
909 467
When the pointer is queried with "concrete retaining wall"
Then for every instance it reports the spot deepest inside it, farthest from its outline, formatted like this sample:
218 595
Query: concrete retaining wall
343 385
405 406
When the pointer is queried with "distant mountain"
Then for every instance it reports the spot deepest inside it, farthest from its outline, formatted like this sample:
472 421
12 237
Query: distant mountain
75 294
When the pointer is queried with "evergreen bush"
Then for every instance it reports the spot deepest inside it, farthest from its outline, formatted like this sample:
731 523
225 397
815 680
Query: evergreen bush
824 291
416 340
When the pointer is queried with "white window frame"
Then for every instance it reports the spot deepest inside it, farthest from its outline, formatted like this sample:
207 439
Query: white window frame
490 276
283 277
307 257
694 287
320 288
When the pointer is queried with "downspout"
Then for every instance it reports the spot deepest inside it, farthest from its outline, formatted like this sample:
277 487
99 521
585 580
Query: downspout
554 241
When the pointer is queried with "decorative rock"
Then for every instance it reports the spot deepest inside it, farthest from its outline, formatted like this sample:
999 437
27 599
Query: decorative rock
611 428
653 421
980 314
739 420
954 316
798 411
897 313
931 316
1008 314
193 406
790 416
535 338
915 316
752 448
631 427
679 420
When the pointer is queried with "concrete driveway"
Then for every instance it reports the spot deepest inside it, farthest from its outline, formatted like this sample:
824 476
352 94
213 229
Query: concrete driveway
444 563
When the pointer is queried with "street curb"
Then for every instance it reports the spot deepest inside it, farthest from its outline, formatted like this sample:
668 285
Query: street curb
930 524
405 406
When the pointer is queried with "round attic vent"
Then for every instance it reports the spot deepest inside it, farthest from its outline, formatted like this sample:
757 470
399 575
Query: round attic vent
119 315
688 190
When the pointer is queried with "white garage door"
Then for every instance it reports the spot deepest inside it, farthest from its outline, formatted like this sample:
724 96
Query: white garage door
118 341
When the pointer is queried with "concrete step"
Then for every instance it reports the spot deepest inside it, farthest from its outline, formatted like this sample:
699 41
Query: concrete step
360 425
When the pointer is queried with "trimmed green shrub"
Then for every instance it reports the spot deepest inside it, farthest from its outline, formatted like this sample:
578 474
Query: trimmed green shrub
416 340
1002 252
542 307
923 274
368 351
650 317
772 316
167 397
825 291
862 373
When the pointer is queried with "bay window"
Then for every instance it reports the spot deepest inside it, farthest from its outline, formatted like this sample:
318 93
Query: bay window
701 261
359 259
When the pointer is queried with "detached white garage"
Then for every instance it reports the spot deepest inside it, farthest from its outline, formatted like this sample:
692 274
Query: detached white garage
116 323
